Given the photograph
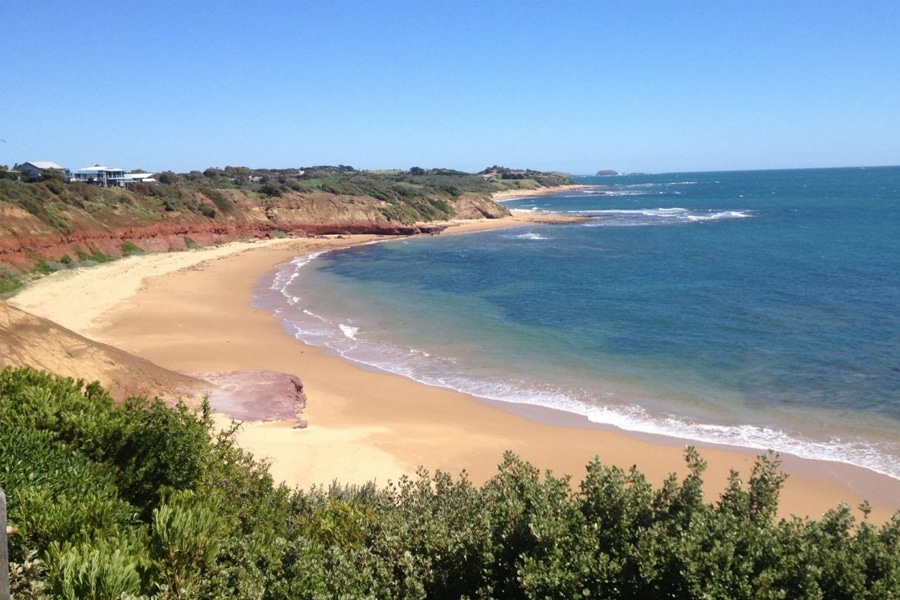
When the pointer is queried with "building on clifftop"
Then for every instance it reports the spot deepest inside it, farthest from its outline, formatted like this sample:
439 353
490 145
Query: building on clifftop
33 170
100 175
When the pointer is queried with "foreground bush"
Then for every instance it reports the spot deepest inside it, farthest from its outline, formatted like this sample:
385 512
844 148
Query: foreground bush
144 500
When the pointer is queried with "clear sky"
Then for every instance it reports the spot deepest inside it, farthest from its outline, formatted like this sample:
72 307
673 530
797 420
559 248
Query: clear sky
574 86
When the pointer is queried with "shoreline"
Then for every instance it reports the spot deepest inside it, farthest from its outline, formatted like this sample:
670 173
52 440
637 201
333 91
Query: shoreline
507 195
366 425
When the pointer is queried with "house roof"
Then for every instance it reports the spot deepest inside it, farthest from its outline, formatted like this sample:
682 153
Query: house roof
43 164
97 169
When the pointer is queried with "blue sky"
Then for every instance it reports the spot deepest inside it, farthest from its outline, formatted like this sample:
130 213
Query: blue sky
377 84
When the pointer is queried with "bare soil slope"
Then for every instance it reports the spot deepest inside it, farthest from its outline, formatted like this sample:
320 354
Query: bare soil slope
30 341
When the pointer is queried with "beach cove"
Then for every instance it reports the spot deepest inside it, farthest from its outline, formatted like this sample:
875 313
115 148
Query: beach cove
192 312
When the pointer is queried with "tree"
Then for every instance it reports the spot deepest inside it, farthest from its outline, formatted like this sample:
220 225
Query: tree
167 177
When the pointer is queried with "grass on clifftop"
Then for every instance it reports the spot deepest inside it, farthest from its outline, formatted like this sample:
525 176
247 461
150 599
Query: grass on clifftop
145 500
414 195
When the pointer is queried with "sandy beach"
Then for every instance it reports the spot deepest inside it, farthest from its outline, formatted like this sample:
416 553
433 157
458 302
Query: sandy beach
513 194
191 311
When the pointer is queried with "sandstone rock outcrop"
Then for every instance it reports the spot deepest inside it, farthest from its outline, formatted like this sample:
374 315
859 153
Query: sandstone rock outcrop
255 395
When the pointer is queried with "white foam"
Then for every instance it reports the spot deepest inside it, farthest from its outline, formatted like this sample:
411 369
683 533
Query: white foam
727 214
876 457
523 211
286 273
656 216
531 236
314 315
349 331
615 193
873 456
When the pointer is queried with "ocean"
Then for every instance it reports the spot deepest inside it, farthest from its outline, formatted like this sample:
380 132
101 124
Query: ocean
758 309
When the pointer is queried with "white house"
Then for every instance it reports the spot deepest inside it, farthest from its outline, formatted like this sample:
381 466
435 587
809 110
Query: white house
100 175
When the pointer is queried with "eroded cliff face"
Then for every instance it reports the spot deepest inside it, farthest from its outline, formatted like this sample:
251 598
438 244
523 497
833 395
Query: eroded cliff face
25 239
334 211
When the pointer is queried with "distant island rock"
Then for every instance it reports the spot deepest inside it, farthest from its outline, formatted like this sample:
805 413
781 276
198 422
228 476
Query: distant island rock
607 173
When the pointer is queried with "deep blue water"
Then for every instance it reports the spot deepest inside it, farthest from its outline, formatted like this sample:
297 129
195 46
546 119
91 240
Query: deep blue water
750 308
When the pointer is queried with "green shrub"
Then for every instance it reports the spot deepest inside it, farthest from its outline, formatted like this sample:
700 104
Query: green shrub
10 281
157 449
186 537
271 190
99 256
223 202
145 499
130 248
100 570
167 178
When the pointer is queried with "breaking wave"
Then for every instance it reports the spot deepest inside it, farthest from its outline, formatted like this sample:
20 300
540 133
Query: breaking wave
656 216
531 236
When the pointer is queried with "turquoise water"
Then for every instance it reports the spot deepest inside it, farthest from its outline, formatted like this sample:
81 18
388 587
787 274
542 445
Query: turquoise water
759 309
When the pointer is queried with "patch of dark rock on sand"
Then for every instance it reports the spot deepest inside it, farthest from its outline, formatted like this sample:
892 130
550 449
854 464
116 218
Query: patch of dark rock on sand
255 395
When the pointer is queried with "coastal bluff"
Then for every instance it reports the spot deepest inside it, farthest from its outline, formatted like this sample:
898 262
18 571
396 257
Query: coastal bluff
27 240
49 225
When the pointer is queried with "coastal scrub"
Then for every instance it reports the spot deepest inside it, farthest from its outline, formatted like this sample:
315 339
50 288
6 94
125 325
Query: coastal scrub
144 499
